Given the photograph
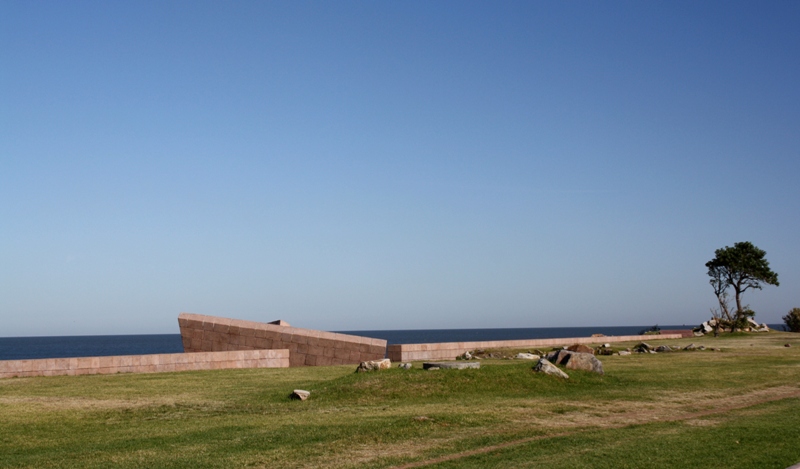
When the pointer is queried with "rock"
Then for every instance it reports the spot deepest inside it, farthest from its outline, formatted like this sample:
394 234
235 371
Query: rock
605 351
544 366
643 347
527 356
701 347
405 366
663 348
690 347
451 365
432 368
712 322
787 345
698 334
623 352
580 348
300 394
576 361
707 327
763 328
374 365
606 345
465 356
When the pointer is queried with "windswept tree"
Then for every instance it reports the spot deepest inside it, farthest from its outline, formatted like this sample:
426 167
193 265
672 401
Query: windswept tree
740 267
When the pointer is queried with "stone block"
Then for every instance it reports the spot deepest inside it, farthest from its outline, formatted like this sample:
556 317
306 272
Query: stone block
297 359
299 339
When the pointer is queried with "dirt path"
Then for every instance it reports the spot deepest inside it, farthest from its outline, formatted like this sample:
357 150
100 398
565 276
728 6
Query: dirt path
726 405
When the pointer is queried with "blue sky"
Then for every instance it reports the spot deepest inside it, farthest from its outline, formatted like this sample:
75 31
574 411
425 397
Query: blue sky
392 165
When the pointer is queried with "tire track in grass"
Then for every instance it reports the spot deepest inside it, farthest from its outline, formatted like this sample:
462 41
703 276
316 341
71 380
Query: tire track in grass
742 403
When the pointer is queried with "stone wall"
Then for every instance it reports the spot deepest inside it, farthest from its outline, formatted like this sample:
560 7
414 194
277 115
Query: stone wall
450 350
306 347
145 363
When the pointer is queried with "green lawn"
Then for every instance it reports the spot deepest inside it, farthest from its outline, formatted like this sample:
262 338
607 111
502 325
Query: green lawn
736 408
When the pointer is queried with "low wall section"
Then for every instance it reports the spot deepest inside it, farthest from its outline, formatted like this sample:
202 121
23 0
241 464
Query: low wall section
450 350
144 363
306 347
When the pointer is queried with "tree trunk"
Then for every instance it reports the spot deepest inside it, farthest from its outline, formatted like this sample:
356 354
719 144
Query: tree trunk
738 316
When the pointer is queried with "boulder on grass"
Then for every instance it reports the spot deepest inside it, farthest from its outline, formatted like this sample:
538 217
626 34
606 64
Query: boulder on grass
643 347
663 348
527 356
544 366
580 348
576 361
374 365
300 394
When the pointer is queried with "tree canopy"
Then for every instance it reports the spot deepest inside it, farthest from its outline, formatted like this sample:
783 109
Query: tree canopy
741 267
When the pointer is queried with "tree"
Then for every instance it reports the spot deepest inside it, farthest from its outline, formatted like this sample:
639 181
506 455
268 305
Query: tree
740 267
792 320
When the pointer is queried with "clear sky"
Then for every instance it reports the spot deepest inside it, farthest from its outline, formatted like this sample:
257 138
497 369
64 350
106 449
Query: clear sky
392 165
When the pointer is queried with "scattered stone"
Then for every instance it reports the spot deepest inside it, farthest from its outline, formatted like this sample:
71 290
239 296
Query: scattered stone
544 366
300 394
716 350
702 347
527 356
405 366
422 418
643 347
374 365
432 368
605 351
698 334
580 348
663 348
576 361
606 345
623 352
450 365
465 356
787 345
690 347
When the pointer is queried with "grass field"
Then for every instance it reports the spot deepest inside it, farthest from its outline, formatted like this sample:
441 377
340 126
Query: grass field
739 407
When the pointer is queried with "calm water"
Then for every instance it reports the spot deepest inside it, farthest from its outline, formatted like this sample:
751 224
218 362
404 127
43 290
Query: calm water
15 348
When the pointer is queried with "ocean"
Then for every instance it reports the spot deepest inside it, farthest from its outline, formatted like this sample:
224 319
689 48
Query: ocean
19 348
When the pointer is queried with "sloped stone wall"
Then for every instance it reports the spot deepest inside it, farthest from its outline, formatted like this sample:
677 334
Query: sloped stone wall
307 347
